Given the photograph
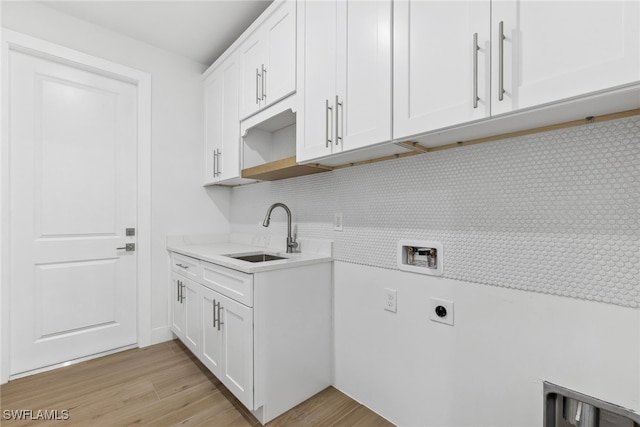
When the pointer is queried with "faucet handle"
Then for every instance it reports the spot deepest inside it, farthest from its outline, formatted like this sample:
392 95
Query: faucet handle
292 245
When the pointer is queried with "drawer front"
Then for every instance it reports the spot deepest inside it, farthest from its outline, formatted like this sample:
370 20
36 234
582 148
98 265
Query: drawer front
187 266
231 283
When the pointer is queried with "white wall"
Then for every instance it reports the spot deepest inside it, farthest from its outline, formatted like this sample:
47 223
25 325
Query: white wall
180 205
487 369
541 259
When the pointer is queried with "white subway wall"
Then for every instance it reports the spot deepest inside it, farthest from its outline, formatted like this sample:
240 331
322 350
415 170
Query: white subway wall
180 205
541 259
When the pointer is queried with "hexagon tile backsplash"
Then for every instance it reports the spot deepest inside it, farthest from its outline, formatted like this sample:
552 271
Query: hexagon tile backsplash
555 212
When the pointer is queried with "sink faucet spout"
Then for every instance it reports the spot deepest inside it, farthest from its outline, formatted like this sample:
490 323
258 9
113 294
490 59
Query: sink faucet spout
291 241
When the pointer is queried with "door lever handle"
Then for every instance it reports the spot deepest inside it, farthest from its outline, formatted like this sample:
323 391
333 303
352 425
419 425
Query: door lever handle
129 247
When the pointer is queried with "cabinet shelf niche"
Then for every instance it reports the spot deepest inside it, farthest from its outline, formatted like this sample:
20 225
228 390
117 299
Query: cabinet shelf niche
269 149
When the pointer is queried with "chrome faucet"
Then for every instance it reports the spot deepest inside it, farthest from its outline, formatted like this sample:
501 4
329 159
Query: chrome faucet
291 241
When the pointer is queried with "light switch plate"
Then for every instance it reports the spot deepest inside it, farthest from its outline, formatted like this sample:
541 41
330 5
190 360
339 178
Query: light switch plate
337 221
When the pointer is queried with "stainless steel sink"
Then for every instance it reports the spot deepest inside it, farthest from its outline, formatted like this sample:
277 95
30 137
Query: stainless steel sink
256 257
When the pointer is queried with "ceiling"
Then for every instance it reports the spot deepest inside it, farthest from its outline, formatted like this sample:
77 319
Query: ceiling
199 30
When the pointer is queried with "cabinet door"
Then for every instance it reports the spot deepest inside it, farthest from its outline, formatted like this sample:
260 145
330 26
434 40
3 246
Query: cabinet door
363 111
435 77
318 74
191 306
213 99
211 334
222 125
178 312
561 49
251 75
237 345
228 158
279 71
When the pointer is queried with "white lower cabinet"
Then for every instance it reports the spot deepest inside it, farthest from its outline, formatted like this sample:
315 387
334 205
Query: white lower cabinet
185 317
227 343
178 312
266 336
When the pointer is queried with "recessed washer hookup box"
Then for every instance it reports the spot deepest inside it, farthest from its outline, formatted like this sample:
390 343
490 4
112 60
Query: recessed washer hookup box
419 256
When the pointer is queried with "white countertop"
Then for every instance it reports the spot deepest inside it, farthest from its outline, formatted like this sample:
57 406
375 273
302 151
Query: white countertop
213 248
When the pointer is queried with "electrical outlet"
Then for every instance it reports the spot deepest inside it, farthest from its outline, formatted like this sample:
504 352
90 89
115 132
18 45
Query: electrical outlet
337 221
441 310
390 300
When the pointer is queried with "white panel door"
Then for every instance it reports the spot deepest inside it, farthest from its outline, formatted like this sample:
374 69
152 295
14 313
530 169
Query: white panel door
280 60
222 123
211 332
229 156
315 127
554 50
178 311
434 64
213 116
251 75
191 300
363 73
73 144
237 344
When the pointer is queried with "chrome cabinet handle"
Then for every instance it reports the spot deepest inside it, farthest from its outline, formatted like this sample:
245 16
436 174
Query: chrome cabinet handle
178 290
182 266
216 304
219 321
476 48
501 38
217 307
264 76
327 109
215 160
217 168
257 94
181 287
338 137
213 312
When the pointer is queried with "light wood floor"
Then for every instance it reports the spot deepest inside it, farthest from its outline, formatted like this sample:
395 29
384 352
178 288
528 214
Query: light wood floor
161 385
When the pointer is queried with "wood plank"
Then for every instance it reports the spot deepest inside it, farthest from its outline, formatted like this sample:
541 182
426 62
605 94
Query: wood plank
92 408
362 417
574 123
379 159
282 169
324 409
161 385
420 149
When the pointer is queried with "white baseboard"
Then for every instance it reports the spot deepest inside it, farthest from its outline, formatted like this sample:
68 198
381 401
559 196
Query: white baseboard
161 334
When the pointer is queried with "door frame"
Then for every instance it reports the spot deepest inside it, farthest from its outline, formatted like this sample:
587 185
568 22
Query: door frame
14 41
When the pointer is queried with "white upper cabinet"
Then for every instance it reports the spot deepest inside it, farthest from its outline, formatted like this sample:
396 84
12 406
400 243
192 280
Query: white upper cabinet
548 51
363 103
222 124
345 73
317 40
464 61
268 60
441 64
